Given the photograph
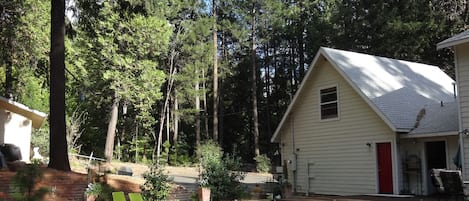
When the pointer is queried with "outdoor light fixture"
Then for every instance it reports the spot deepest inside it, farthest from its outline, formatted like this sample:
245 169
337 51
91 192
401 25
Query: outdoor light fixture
465 132
368 144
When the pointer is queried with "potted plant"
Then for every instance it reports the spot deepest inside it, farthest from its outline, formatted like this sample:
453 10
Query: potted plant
287 190
204 193
93 191
204 190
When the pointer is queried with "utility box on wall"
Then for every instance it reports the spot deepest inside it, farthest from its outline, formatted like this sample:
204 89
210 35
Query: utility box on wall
16 123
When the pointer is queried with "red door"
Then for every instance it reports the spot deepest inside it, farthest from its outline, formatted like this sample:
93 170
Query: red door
384 167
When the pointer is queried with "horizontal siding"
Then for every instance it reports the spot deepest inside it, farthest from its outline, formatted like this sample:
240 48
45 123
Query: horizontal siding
343 164
460 51
462 69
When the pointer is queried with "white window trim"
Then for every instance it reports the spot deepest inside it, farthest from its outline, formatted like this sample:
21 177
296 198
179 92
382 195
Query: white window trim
320 104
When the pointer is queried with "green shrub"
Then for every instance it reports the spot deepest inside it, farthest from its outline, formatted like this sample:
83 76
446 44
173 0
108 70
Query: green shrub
157 184
179 156
102 192
23 185
263 163
220 174
95 189
165 153
209 152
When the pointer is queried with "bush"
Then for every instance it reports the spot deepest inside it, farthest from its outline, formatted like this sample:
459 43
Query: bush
102 192
220 174
179 156
263 163
23 185
157 184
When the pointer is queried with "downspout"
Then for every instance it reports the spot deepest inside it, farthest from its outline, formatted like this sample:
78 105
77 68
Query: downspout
396 165
461 138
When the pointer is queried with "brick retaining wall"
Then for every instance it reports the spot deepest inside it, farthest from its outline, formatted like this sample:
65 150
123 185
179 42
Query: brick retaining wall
64 186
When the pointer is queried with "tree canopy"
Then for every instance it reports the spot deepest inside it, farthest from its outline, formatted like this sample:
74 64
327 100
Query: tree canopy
141 81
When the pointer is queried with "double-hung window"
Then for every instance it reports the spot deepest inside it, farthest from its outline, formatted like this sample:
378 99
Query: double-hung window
329 103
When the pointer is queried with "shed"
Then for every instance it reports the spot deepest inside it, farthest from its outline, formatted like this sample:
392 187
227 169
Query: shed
16 123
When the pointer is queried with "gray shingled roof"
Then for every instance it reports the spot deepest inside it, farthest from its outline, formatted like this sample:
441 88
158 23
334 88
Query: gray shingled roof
397 90
455 40
436 118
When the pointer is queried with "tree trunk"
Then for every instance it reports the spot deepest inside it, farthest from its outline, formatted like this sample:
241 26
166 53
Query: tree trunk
8 70
136 141
58 139
204 86
111 129
168 126
255 114
175 122
221 105
301 42
215 73
267 91
169 88
197 109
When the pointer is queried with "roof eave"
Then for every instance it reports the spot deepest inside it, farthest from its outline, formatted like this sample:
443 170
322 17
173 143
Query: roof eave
38 118
447 44
425 135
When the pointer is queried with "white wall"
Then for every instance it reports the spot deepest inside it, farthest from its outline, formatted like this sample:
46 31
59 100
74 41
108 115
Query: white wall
342 163
462 79
16 130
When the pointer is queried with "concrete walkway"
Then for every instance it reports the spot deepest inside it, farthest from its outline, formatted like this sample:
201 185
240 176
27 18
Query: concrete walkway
362 198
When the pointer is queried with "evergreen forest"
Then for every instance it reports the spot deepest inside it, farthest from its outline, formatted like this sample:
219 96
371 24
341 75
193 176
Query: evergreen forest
150 80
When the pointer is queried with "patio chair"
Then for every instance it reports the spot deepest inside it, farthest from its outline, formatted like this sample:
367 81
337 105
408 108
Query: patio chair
135 197
453 184
437 183
118 196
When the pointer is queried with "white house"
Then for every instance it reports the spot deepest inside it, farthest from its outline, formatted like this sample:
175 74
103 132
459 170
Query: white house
460 45
16 123
363 124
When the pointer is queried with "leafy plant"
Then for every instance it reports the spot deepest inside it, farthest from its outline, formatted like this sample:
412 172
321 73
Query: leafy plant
102 192
165 153
220 174
179 156
24 182
157 184
263 163
95 189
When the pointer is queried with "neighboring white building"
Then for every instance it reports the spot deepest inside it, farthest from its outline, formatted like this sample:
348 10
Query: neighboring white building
16 123
460 44
363 124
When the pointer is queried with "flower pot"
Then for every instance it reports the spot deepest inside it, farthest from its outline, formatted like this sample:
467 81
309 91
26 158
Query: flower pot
287 191
204 194
90 198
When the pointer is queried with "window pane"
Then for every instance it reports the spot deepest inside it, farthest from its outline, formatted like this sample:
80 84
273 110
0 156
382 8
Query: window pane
328 95
329 111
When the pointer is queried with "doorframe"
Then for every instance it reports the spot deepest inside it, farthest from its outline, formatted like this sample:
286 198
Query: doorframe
394 166
424 160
